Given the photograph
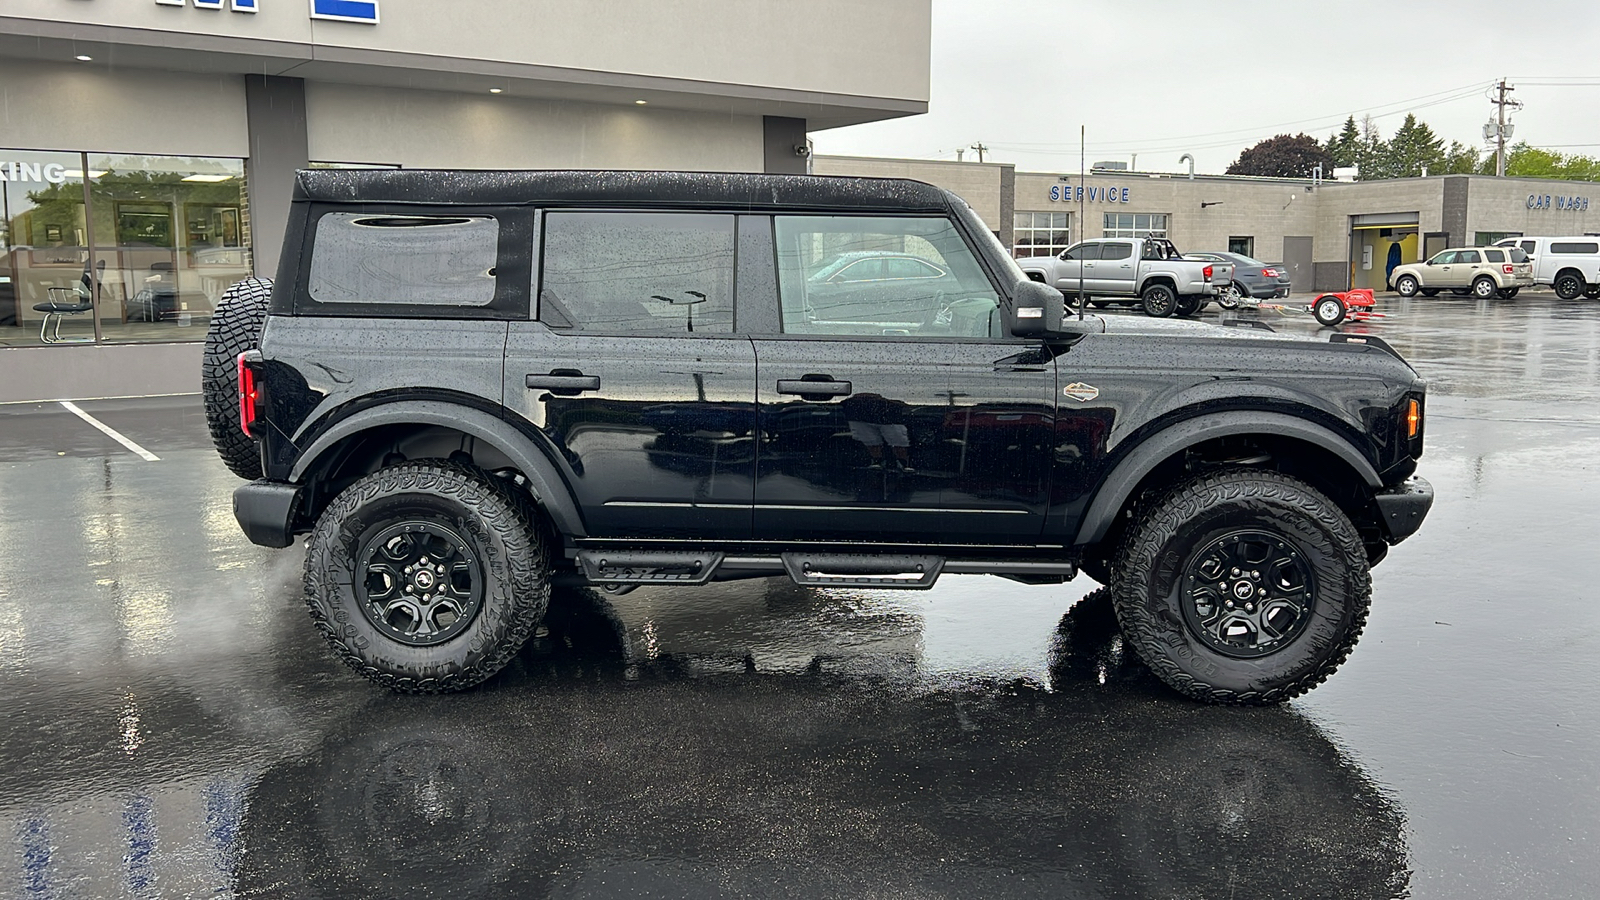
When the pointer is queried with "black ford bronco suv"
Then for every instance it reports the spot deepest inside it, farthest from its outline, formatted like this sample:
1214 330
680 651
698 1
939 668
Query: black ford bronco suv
467 387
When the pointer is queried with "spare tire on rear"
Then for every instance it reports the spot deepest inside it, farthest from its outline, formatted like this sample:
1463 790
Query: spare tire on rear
235 327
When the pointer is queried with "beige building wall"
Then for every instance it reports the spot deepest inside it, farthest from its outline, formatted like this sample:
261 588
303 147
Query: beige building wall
57 106
982 185
1503 204
433 129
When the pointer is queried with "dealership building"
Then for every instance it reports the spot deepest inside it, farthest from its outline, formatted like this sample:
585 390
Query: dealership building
1332 235
147 146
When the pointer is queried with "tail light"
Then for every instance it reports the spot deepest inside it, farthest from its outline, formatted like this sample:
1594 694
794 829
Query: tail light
1269 273
1208 273
1509 270
247 395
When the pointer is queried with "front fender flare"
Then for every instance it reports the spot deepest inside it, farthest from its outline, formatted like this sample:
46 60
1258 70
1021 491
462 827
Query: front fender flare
544 480
1115 489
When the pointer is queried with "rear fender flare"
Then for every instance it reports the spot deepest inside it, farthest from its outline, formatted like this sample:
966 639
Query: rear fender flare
1119 485
544 480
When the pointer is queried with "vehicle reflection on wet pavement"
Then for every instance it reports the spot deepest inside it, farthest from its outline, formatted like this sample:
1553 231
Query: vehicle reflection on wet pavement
175 728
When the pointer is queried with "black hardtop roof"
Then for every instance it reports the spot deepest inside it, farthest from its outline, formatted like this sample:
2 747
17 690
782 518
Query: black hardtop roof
723 190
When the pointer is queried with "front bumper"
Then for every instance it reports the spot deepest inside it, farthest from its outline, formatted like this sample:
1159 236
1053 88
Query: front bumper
1403 507
264 510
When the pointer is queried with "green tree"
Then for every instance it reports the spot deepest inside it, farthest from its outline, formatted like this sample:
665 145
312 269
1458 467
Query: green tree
1415 150
1460 159
1372 153
1283 156
1342 146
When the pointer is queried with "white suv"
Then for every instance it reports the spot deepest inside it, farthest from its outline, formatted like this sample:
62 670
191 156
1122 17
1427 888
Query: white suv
1571 265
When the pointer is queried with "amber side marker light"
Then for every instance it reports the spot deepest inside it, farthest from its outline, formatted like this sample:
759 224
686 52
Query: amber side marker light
1413 418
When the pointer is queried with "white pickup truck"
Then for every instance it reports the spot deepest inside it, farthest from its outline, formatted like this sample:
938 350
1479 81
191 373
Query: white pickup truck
1150 271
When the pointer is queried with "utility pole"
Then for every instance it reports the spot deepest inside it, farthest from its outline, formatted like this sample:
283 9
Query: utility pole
1501 129
981 150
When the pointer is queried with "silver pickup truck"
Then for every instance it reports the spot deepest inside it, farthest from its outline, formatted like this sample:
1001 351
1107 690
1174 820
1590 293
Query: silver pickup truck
1148 270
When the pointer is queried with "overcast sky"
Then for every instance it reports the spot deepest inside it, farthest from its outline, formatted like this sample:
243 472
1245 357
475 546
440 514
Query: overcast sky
1163 77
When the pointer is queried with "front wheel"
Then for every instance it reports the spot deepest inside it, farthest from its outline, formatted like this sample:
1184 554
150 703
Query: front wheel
1329 310
427 577
1508 293
1407 286
1485 288
1188 306
1243 587
1569 286
1430 292
1159 301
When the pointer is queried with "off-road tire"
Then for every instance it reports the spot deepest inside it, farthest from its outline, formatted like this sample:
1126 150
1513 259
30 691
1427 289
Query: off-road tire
235 327
1148 581
1569 286
1408 286
501 526
1329 310
1484 288
1159 301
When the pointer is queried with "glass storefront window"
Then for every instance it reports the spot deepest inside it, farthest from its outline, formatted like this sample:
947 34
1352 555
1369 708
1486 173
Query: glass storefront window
1039 234
1135 225
44 243
172 234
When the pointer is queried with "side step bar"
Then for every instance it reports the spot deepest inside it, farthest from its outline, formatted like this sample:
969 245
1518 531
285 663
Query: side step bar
916 573
628 569
647 566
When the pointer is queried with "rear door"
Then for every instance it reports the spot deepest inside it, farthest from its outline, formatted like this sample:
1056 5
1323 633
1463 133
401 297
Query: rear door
916 425
1117 269
634 374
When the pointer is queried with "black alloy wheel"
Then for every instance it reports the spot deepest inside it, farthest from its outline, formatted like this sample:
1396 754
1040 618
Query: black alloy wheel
1159 301
1407 286
427 576
1242 587
1484 287
1569 286
1592 292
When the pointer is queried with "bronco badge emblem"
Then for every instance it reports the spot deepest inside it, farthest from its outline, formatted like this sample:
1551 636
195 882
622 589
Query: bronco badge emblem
1081 392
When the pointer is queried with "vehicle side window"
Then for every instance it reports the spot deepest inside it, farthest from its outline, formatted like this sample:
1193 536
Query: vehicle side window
1494 256
1152 250
860 270
397 260
1084 251
638 272
1575 247
1467 256
1529 246
1116 251
949 295
1443 259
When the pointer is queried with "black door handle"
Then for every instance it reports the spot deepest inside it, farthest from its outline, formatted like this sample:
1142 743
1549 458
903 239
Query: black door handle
564 382
809 389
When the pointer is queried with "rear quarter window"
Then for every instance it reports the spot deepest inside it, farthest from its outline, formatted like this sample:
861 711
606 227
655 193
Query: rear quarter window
382 259
1576 247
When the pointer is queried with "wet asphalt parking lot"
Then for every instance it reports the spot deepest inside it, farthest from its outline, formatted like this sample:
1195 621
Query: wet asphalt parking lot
172 726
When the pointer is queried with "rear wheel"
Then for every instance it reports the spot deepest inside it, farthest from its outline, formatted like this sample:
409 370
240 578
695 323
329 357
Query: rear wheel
1244 587
235 327
1430 292
1159 301
427 577
1484 287
1508 293
1188 306
1407 286
1569 285
1592 292
1329 310
1461 292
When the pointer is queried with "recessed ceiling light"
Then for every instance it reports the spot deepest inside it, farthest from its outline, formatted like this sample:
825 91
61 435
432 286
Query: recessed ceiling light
641 102
495 90
82 57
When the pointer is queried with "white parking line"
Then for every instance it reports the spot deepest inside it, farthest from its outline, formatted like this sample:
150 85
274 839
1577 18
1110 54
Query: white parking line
109 431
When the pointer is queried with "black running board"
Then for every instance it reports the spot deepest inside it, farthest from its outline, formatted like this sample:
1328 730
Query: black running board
914 573
647 566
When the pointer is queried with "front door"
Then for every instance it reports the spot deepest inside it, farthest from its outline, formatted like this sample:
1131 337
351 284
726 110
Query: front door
915 425
634 376
1076 263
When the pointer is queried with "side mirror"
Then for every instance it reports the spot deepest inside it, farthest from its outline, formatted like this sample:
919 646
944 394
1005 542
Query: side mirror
1037 310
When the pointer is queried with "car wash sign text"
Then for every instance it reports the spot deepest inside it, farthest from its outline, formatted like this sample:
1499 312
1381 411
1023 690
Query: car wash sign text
1545 201
363 11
